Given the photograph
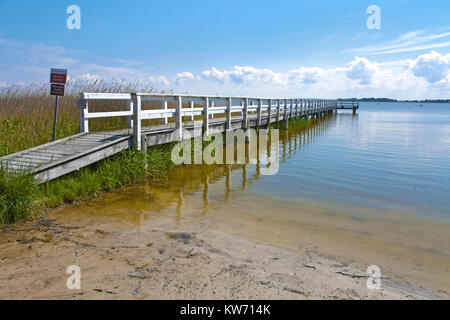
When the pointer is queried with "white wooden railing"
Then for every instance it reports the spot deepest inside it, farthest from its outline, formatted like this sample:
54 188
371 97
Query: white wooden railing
246 106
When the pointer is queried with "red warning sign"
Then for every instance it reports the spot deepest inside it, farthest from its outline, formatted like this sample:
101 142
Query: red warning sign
58 76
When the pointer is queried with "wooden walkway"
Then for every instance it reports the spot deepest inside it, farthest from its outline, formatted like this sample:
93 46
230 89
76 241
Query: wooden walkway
55 159
348 105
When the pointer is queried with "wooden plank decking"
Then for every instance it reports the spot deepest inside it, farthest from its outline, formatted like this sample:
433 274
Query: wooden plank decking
52 160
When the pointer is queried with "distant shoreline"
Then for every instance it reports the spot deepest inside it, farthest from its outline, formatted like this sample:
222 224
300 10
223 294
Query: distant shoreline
394 100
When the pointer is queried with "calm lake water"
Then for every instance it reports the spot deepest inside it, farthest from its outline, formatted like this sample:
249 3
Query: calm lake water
390 156
364 189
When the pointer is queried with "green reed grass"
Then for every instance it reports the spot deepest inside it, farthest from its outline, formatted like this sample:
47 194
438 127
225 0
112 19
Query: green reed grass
26 112
18 195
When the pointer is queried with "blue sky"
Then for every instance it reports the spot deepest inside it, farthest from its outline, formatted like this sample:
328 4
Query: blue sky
282 48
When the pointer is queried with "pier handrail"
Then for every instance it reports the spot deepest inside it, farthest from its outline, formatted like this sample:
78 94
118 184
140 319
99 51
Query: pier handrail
271 107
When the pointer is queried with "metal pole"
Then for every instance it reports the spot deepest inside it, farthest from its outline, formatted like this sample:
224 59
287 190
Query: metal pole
56 118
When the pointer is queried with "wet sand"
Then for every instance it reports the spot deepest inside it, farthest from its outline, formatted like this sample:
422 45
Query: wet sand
156 256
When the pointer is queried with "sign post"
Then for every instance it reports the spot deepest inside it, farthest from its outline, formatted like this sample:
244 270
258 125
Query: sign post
58 79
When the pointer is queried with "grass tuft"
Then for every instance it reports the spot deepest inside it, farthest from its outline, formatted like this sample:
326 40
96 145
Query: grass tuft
18 194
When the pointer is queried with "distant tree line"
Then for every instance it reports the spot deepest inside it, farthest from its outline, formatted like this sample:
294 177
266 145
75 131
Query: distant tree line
395 100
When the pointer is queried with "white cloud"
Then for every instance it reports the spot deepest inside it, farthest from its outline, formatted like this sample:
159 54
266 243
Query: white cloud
362 70
33 61
432 66
305 76
408 42
183 76
160 80
86 77
245 75
405 79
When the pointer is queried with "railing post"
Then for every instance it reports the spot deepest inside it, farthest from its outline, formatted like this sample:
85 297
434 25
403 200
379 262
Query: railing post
269 115
300 106
211 106
84 110
179 118
137 123
166 119
310 111
296 108
245 120
206 116
285 109
285 118
259 112
291 108
130 118
278 109
228 125
191 105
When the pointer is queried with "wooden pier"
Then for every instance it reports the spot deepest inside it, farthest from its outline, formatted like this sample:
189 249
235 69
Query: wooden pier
348 104
218 114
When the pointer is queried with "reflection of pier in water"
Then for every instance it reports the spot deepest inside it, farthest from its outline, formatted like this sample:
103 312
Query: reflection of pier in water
344 119
199 178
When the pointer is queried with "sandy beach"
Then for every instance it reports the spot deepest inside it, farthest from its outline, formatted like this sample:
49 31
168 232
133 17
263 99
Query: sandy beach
167 261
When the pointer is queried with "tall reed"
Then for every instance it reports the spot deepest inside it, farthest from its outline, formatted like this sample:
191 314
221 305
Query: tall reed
26 112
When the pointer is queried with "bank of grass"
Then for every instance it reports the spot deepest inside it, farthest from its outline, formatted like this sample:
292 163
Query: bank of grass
17 196
21 198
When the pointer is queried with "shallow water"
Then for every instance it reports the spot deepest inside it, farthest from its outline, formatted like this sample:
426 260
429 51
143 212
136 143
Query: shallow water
364 189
